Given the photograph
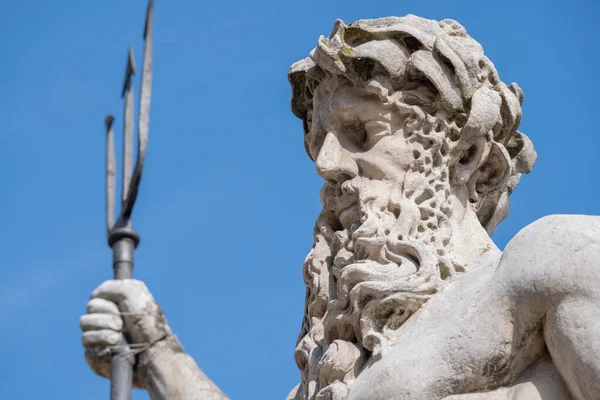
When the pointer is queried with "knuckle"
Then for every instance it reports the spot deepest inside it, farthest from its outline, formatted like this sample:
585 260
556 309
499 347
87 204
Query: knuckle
98 305
99 321
88 340
83 322
100 338
113 337
115 323
102 287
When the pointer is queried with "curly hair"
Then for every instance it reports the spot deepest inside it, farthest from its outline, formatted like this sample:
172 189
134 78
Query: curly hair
479 113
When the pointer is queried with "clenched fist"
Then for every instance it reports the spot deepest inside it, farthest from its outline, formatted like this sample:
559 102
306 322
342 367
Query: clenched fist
117 307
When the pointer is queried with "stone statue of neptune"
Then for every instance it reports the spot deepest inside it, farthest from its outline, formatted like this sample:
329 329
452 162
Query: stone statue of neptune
407 297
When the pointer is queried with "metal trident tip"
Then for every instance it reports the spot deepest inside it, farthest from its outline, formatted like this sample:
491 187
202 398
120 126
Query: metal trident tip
149 14
108 121
129 71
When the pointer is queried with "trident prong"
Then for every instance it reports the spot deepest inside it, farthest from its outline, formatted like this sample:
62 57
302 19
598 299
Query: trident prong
122 239
143 119
127 93
110 173
131 180
129 71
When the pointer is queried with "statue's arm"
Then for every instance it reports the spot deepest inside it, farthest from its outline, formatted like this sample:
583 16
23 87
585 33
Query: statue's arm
554 261
162 367
171 373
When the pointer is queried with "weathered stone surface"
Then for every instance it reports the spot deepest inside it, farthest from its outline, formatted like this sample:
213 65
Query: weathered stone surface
162 367
416 138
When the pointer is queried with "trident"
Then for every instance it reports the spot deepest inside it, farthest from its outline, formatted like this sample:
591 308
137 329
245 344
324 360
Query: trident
122 239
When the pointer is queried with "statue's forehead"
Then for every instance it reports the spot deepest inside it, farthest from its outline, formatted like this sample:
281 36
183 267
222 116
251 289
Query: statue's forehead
336 94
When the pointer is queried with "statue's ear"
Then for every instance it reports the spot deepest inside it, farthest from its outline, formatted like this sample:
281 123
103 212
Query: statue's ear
493 174
477 134
484 168
470 160
489 188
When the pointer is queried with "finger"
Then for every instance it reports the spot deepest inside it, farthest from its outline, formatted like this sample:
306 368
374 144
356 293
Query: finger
100 338
101 306
95 322
99 360
119 290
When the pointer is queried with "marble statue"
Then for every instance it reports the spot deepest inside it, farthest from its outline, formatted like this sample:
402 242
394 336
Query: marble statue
407 296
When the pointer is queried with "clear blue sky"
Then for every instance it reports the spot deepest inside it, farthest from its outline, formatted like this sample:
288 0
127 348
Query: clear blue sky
229 197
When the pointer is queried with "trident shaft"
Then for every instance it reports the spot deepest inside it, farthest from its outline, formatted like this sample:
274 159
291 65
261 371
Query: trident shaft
122 239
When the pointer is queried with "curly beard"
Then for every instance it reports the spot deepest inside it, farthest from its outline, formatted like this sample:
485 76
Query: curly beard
380 252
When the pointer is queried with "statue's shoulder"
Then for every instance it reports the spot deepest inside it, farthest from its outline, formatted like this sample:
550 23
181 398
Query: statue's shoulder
557 231
553 253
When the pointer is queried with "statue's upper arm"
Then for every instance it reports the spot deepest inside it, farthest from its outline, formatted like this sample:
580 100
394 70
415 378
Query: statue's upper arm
555 255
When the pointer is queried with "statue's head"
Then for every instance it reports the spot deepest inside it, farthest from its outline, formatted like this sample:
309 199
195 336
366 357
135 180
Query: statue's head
374 83
407 121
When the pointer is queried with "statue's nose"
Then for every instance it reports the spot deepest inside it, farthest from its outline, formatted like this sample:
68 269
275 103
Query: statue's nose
334 162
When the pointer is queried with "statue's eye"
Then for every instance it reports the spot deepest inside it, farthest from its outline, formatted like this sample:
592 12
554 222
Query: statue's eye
356 133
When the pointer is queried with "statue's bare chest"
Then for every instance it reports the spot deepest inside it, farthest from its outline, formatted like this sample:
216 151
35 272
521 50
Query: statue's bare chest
463 341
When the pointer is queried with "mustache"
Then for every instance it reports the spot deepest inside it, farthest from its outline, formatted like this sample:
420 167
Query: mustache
338 197
345 203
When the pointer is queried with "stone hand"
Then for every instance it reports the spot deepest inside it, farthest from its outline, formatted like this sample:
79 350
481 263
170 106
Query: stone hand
116 307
